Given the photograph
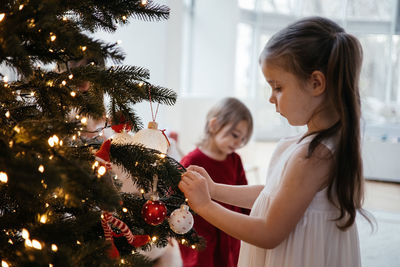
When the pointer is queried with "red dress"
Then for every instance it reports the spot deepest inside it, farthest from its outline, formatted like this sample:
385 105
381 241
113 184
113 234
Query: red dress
221 250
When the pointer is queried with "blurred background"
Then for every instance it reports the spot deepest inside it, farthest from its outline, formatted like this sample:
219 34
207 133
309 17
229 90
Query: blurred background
209 49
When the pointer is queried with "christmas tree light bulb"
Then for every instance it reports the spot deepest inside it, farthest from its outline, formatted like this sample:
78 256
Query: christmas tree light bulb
102 170
21 7
73 94
5 79
70 76
83 48
84 120
124 18
7 114
54 247
64 82
154 239
53 38
43 218
41 168
124 209
25 233
2 15
3 177
4 264
36 244
144 2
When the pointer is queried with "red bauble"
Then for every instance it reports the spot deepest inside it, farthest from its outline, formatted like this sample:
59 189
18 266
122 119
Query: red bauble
154 212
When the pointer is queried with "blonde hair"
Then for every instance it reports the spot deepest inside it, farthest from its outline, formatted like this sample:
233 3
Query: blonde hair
228 111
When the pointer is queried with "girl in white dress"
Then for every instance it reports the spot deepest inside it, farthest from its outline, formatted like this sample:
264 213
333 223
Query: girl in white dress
304 216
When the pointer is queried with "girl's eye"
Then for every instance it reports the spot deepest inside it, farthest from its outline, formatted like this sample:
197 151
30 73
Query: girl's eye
278 89
235 135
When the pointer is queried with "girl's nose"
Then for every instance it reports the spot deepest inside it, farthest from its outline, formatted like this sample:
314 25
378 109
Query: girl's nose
272 99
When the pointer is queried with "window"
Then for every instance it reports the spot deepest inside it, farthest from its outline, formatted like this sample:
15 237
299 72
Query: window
375 23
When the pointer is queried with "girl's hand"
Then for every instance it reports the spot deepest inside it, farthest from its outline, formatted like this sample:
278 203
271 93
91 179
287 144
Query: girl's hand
195 188
203 172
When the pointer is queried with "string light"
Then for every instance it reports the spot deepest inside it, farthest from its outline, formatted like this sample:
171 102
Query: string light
144 2
123 18
83 48
52 37
124 209
102 170
3 177
70 76
162 155
64 83
154 239
142 191
25 233
65 18
41 168
21 7
5 79
183 241
54 247
32 93
36 244
140 84
43 219
17 129
28 243
8 114
10 241
2 15
84 120
193 246
78 242
4 264
122 261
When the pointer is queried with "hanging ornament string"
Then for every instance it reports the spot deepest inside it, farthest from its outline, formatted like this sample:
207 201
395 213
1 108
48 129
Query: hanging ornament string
153 116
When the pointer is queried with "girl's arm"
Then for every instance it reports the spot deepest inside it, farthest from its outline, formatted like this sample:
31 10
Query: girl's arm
302 179
237 195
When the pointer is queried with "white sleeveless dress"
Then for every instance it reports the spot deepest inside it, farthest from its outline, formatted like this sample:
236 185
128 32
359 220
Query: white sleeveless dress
315 241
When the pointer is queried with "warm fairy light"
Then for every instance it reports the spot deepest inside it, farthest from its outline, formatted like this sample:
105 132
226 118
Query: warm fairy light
77 117
96 163
144 2
2 15
21 7
10 241
11 143
123 17
141 84
28 243
142 191
79 133
61 142
50 83
51 157
8 114
54 247
70 76
162 155
41 168
73 93
183 240
84 120
36 244
47 205
193 246
52 37
122 261
154 239
3 177
64 82
32 93
102 170
51 265
65 18
78 242
51 142
115 177
5 79
25 233
17 129
43 218
4 264
124 209
83 48
186 200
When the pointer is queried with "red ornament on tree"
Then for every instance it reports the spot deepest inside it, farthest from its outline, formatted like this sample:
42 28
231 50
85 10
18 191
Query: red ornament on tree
154 212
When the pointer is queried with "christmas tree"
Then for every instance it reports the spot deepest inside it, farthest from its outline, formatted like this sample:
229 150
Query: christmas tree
59 204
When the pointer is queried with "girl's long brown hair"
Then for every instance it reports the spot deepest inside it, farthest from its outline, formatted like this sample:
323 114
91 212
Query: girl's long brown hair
318 43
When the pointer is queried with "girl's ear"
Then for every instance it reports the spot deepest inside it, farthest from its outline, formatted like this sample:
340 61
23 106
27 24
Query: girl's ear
318 82
212 125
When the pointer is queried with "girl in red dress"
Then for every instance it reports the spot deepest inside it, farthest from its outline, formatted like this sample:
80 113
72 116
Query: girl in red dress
229 126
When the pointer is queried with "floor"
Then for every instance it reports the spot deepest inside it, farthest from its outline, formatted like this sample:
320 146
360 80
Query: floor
381 246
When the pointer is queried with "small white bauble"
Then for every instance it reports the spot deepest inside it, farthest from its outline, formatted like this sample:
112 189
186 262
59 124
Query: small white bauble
152 137
181 220
122 138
